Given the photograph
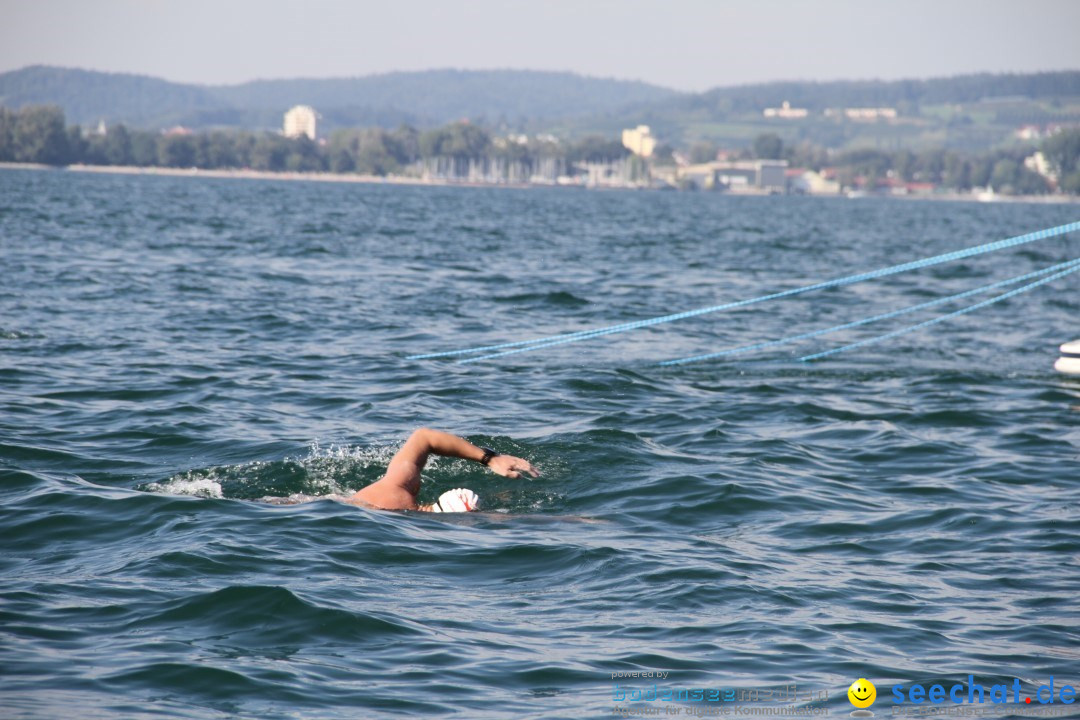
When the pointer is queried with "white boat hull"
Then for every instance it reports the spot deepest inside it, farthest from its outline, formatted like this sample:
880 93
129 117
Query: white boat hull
1069 362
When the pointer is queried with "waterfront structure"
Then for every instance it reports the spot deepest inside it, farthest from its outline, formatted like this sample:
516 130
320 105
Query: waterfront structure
810 182
751 176
639 141
786 112
493 170
299 121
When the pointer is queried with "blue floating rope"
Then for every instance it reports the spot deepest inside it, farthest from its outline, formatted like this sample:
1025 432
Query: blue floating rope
875 318
941 318
551 340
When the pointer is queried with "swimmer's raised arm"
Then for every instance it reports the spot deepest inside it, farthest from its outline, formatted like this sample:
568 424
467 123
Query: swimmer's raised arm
398 488
441 443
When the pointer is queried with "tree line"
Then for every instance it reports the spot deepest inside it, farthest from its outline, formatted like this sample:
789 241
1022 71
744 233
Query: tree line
1003 169
39 134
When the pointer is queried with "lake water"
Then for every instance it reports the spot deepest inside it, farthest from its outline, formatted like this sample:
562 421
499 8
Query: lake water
174 349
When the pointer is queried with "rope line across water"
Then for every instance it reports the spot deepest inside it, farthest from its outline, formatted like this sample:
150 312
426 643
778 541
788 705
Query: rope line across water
872 319
940 318
520 346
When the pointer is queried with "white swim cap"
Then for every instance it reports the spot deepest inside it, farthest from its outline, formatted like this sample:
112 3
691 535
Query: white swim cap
456 500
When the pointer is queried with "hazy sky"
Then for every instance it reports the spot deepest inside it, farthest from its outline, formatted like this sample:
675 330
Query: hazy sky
686 44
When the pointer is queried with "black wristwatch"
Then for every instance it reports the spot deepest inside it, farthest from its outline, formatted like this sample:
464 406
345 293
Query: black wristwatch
488 454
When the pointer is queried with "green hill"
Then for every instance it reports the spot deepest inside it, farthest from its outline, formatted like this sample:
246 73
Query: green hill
428 98
971 112
87 97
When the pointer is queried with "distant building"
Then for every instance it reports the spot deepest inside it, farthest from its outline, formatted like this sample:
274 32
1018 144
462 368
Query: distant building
504 142
101 130
809 182
865 114
300 120
771 175
1038 163
639 141
1029 132
742 175
786 112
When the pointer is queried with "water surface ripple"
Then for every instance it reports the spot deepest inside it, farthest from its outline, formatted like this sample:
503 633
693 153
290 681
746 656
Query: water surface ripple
172 350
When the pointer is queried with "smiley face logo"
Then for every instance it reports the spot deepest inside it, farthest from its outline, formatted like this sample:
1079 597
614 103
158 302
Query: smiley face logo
862 693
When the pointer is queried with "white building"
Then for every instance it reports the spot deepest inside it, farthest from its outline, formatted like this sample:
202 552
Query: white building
866 114
639 141
1038 163
815 183
300 120
786 111
1029 132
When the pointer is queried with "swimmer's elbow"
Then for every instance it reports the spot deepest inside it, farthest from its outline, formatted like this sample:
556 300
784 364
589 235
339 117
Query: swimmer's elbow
423 436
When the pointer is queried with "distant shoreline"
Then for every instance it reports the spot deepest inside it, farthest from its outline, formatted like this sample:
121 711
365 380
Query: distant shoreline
246 174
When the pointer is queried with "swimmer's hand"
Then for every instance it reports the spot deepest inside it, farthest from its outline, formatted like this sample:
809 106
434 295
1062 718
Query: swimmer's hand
456 500
511 467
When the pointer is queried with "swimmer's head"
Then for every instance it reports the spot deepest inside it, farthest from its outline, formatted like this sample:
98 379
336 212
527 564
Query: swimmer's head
457 500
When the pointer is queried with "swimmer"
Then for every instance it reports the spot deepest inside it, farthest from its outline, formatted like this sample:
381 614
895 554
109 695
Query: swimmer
398 488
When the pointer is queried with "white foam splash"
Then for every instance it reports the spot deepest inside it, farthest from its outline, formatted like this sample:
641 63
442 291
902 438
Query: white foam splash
332 470
186 484
367 456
